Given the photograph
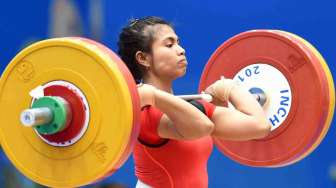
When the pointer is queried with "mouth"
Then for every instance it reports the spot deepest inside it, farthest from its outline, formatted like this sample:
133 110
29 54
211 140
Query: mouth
183 62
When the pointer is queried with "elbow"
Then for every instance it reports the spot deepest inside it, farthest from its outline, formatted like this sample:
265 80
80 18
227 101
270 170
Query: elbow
203 129
207 128
263 129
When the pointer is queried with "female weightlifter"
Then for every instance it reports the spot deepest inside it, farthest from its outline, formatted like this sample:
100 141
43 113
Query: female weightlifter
175 140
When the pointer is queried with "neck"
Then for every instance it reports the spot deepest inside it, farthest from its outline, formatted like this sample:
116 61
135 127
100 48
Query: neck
159 83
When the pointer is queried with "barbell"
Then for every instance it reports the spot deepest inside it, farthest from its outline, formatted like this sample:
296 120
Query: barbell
80 107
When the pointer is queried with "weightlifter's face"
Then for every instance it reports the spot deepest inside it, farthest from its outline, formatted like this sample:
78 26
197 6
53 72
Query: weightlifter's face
168 57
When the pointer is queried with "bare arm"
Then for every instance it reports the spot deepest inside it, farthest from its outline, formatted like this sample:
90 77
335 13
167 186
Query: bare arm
231 124
247 121
180 120
243 101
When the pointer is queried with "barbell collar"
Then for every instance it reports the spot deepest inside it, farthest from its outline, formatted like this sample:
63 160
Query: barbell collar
48 115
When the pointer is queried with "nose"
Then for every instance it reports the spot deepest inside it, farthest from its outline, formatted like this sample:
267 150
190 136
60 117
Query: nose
180 50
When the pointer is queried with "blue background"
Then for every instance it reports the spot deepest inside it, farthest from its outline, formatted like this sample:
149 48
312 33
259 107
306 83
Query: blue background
202 27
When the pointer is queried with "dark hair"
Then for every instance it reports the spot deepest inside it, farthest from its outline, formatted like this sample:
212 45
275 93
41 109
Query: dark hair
136 37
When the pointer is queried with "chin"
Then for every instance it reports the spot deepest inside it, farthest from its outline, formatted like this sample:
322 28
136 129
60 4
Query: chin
182 73
178 74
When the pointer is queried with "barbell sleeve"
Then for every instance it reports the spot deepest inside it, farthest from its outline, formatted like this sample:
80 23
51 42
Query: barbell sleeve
36 116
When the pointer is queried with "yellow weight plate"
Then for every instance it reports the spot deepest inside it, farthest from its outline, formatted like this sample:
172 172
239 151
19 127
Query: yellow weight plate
110 124
331 107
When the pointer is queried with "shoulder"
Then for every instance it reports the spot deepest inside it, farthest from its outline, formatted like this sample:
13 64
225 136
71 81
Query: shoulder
150 120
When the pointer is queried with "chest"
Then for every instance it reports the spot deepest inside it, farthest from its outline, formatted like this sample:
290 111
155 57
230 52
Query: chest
199 149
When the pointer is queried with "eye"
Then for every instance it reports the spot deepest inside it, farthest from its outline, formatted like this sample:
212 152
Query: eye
169 45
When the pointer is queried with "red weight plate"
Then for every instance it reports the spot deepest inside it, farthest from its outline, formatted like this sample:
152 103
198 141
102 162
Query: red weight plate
307 84
135 101
327 108
77 110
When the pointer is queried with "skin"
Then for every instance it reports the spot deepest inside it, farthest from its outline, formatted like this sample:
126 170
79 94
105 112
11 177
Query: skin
167 62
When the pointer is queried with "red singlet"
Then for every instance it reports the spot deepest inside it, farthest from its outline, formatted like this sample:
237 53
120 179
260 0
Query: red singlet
167 163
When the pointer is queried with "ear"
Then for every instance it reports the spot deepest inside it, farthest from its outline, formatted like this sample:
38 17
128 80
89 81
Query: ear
143 58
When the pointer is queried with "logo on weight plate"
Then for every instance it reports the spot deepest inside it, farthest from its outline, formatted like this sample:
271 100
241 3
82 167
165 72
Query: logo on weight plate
26 71
100 150
295 63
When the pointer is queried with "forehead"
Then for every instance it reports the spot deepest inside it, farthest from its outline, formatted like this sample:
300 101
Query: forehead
163 32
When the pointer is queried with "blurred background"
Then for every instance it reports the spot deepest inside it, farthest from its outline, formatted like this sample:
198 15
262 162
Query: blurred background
202 27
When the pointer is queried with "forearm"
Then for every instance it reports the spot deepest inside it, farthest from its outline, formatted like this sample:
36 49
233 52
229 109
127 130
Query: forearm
232 125
247 121
188 120
244 102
